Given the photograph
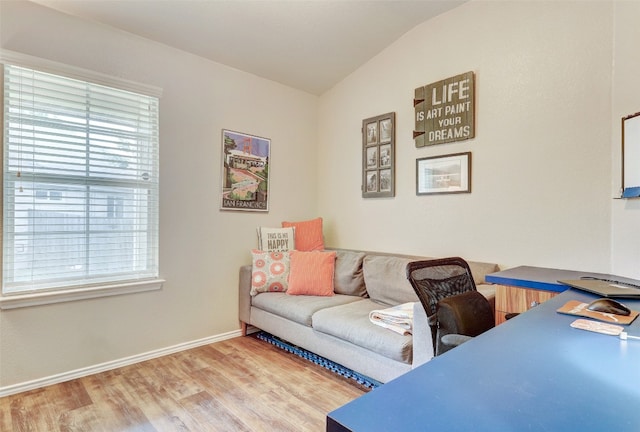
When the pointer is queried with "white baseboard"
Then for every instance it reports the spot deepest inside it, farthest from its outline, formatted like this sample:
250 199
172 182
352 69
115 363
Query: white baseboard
103 367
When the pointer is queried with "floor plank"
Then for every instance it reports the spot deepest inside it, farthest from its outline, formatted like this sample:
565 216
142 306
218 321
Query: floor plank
242 384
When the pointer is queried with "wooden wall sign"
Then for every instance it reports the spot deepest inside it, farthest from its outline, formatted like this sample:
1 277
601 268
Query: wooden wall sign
444 111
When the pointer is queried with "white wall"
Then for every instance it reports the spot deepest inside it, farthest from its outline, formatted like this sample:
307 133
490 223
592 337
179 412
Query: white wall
541 180
626 100
201 247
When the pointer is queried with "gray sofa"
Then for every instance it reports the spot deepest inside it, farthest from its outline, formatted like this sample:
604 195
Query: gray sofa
338 327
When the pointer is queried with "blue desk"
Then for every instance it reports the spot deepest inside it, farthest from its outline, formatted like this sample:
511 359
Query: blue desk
533 373
520 287
540 278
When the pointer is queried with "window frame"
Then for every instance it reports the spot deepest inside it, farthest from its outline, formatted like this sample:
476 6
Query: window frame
25 298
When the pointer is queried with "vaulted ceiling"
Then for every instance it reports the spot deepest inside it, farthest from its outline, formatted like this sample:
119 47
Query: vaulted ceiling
307 44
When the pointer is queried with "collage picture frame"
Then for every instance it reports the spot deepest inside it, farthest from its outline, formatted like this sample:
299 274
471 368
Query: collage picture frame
378 156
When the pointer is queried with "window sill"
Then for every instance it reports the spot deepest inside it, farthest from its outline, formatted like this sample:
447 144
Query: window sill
61 296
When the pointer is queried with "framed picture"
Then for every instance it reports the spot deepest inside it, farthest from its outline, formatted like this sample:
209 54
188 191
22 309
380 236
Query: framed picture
444 174
386 127
372 157
385 180
372 133
378 156
372 181
245 172
631 156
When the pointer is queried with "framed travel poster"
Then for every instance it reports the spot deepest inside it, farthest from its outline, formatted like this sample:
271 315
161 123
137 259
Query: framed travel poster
245 172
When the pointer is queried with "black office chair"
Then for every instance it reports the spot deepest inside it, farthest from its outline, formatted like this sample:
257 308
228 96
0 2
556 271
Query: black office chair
454 307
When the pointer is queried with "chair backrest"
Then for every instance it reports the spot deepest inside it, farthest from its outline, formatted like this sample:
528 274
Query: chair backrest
433 280
436 279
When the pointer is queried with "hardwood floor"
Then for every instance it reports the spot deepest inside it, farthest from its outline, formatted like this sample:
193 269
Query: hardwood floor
242 384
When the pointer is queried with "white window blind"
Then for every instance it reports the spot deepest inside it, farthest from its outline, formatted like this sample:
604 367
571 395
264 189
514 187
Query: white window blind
80 183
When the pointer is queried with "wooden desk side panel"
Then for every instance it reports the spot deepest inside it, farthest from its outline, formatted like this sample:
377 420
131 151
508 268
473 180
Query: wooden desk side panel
511 299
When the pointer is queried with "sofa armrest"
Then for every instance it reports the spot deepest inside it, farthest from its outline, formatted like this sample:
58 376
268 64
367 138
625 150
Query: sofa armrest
489 292
244 295
422 339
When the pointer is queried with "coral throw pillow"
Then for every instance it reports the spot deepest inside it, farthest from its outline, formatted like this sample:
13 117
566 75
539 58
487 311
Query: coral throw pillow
270 271
311 273
308 234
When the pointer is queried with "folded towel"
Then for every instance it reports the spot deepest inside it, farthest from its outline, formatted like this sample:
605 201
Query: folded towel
397 318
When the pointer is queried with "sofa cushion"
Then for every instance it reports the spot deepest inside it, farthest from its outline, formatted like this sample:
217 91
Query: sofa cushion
349 278
350 322
270 271
480 269
311 273
300 308
308 234
386 280
276 239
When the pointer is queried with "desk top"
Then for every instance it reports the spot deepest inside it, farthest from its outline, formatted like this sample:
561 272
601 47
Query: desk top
533 372
542 278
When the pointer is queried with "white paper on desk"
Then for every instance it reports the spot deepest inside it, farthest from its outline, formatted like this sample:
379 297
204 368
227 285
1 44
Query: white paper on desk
598 327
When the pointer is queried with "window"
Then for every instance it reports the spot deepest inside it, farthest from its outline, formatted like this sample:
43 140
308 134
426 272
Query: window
80 183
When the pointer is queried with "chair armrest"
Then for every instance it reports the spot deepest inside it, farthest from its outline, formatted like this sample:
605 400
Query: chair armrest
244 294
453 340
422 339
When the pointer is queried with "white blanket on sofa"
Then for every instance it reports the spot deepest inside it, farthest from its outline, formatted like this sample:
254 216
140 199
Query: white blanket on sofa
397 318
